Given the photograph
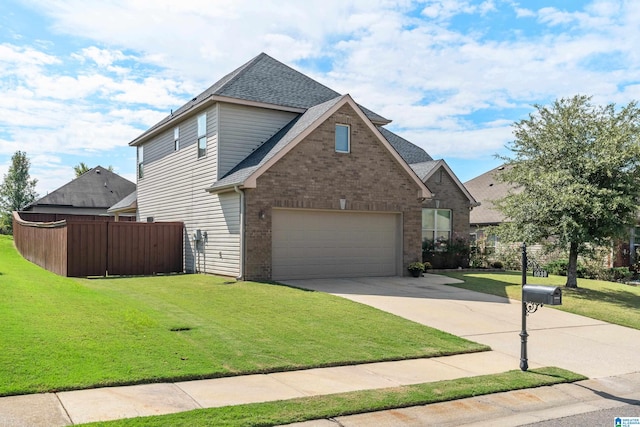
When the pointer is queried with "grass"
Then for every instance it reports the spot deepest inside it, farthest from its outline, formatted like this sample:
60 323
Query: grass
606 301
61 334
321 407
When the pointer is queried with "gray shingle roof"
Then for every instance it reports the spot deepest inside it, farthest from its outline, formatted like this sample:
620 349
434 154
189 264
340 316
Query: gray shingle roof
410 152
265 80
275 144
486 188
129 202
424 168
96 188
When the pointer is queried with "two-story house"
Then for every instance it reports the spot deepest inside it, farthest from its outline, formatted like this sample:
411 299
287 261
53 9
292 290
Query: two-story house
277 176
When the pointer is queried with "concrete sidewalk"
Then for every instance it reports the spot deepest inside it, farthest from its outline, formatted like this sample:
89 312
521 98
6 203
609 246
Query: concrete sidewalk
103 404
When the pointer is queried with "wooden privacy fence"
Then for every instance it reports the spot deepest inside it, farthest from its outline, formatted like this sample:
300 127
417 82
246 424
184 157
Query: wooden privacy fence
100 248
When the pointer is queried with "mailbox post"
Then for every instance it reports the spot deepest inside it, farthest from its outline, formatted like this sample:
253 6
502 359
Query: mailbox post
533 296
524 365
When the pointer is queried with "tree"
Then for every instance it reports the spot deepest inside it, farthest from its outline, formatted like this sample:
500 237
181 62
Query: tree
575 172
82 167
17 191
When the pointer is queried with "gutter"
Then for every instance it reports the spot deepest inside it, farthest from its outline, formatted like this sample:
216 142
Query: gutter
237 189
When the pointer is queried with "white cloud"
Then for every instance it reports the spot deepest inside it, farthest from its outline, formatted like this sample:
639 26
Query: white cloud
446 87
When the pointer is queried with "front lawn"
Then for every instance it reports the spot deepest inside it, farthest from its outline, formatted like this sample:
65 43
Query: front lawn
61 334
607 301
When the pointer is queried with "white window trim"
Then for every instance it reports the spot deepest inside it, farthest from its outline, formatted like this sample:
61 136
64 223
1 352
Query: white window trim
348 139
176 138
435 230
202 136
140 154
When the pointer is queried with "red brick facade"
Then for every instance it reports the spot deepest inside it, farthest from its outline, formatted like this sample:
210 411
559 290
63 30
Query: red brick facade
447 195
313 176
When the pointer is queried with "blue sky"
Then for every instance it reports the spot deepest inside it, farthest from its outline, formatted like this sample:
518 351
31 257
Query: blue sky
79 79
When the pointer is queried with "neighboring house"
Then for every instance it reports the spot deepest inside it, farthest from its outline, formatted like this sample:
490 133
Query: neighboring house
486 189
276 176
127 206
92 193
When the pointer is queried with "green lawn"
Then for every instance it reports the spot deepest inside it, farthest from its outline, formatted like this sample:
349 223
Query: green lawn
322 407
59 333
607 301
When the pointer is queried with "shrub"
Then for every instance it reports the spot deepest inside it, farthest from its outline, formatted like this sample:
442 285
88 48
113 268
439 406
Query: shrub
557 267
443 253
497 264
416 266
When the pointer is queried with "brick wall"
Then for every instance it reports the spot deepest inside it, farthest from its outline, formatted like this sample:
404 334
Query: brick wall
451 197
313 176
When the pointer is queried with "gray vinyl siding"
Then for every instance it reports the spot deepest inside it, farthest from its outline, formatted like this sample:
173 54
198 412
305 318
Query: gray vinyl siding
243 129
173 189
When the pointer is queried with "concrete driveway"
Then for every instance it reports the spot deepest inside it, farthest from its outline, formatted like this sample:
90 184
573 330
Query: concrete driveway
580 344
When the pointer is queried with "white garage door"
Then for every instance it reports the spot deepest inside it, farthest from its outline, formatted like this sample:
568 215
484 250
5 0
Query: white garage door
317 244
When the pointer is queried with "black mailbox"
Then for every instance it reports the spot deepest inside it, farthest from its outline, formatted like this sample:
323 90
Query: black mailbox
550 295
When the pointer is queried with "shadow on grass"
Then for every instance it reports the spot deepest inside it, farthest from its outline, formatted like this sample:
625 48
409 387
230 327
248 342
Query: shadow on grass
620 297
487 285
431 286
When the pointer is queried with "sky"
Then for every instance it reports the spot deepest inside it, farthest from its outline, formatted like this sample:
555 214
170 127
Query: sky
80 79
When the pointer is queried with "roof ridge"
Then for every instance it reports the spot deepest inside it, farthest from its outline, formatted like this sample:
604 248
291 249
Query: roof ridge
237 73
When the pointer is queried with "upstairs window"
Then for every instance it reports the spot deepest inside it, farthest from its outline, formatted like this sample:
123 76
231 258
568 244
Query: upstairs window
202 135
140 162
176 138
343 140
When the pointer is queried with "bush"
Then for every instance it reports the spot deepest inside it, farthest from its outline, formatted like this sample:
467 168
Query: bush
443 253
557 267
591 271
497 264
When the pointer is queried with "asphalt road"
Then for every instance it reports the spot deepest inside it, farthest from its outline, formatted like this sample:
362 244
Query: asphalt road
603 418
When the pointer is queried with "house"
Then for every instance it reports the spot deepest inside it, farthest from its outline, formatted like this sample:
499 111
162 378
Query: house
487 188
92 193
276 176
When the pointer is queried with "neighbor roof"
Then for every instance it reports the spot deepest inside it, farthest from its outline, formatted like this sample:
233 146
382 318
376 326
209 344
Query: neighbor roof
262 80
96 188
486 189
128 204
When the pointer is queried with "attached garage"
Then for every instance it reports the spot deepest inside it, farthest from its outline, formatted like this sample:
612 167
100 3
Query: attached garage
325 244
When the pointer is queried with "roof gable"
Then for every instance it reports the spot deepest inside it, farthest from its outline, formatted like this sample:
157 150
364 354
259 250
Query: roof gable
96 188
262 81
247 172
425 170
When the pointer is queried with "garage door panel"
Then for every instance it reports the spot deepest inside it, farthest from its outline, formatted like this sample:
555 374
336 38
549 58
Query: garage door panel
315 244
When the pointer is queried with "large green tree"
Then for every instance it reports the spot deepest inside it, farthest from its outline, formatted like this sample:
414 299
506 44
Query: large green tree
17 190
575 174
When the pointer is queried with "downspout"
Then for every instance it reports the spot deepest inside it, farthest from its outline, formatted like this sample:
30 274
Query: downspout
242 209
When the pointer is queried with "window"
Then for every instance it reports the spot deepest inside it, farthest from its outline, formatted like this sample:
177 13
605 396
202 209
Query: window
436 224
202 135
343 144
176 138
140 162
